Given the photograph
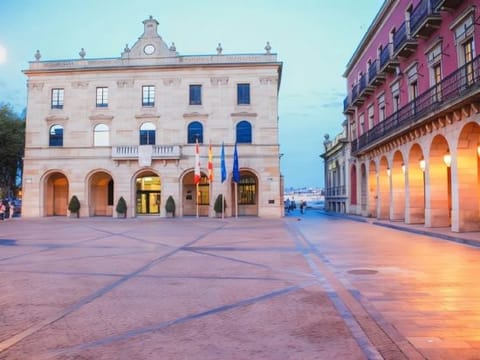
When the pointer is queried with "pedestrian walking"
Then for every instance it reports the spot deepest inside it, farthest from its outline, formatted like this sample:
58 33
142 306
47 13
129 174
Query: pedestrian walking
12 209
2 210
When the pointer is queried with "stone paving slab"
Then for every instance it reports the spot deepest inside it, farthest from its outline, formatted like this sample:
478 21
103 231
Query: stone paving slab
163 289
307 286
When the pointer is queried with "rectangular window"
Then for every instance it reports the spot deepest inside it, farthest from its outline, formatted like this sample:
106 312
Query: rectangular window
57 98
468 56
195 95
243 94
148 95
371 110
102 96
437 78
361 120
381 108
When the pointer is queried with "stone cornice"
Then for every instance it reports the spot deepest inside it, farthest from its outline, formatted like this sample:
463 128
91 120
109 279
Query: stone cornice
243 114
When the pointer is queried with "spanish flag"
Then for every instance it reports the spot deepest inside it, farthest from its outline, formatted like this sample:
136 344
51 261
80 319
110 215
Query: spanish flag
197 174
210 163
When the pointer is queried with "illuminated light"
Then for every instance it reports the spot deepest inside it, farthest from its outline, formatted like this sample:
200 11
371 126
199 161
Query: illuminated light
421 163
403 168
388 171
447 159
478 150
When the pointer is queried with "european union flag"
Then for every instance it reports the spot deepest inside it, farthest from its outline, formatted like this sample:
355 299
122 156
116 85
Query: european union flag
236 172
222 164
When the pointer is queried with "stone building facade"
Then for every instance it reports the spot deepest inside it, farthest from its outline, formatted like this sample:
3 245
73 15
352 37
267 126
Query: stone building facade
414 115
336 157
127 127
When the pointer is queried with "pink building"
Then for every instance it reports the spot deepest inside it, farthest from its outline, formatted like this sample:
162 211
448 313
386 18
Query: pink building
413 115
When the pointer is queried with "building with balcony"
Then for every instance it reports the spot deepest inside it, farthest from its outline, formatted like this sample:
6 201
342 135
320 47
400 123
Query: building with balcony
127 127
415 133
336 157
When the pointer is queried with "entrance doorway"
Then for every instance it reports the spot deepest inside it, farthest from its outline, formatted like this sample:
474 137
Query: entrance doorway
56 195
148 200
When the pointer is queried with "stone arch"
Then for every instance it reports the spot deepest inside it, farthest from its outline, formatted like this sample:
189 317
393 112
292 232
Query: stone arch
372 189
353 184
55 193
190 197
147 191
100 193
415 194
438 184
363 188
397 181
383 209
467 216
247 193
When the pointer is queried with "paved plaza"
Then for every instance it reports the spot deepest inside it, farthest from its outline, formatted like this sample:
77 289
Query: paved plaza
303 287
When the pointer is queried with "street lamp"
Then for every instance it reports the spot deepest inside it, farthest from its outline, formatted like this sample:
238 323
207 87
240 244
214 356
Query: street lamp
421 163
447 159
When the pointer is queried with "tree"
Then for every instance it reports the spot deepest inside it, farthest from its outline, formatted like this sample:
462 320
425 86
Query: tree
74 206
170 206
12 144
218 204
121 207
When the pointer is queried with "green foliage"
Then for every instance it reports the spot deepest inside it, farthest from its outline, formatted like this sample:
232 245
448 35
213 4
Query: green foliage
12 144
121 206
74 205
170 205
218 204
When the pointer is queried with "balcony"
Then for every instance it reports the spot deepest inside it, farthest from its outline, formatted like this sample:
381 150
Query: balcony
387 62
347 108
374 77
459 86
137 152
364 88
439 5
424 19
403 44
336 191
356 98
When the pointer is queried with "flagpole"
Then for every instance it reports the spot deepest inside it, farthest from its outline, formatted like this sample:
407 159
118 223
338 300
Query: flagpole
236 202
197 197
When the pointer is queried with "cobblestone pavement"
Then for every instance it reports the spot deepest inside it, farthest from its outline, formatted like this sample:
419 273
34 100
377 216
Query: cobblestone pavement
303 287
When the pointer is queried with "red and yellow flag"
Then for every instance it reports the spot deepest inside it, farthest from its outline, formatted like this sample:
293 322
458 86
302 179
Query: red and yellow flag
210 163
197 174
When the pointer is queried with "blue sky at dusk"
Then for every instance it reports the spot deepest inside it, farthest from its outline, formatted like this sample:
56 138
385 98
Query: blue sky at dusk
313 38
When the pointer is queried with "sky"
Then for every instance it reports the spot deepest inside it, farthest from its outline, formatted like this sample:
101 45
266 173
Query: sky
314 39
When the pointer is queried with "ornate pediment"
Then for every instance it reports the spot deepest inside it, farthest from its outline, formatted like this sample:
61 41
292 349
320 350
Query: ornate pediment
150 44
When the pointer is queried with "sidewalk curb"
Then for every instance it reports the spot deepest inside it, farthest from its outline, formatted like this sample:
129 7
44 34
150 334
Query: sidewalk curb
406 228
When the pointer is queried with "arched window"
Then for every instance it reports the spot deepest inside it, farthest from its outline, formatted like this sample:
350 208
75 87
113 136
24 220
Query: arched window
244 132
56 135
147 134
195 132
247 189
101 135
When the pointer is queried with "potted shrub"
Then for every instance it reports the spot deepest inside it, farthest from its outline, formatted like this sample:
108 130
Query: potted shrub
218 205
170 206
74 206
121 207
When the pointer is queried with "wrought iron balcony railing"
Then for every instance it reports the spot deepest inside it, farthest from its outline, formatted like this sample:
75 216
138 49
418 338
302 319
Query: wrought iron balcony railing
403 44
338 190
463 82
424 19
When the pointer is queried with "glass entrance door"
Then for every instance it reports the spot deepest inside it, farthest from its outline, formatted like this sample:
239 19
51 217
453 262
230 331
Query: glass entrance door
148 202
148 195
